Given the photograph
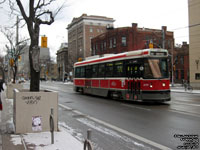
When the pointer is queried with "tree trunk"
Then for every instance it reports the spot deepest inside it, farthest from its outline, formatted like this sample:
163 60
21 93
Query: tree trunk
14 73
34 73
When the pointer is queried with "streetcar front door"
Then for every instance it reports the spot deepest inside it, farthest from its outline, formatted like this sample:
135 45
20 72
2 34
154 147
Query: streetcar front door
133 72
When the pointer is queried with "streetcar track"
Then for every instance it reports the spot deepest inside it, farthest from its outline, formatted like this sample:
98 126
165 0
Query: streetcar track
147 141
196 105
185 112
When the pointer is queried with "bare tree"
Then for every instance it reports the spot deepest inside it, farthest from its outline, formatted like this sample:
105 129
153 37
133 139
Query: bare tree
14 50
39 13
2 1
2 68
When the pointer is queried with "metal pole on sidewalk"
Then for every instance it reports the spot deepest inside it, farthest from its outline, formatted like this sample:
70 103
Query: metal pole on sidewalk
87 144
51 121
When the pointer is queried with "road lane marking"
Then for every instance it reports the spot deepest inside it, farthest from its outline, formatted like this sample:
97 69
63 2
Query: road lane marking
185 112
152 143
136 107
197 105
182 100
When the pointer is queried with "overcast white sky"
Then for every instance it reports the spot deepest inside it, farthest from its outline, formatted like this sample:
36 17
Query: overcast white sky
147 13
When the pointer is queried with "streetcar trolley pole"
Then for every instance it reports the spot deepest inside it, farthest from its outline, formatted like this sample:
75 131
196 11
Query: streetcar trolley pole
87 143
51 122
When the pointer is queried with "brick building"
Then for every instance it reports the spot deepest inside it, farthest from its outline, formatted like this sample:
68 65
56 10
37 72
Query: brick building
80 32
181 63
131 38
62 61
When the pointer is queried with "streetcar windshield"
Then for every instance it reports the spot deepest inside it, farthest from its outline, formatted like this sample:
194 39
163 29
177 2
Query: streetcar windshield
155 68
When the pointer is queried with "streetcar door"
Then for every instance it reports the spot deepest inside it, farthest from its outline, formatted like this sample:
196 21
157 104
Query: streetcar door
133 72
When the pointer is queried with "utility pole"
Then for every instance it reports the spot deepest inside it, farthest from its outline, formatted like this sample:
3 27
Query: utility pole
17 32
63 77
17 40
163 36
172 59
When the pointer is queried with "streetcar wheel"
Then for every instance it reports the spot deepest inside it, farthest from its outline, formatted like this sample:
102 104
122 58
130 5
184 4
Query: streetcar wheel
77 89
82 91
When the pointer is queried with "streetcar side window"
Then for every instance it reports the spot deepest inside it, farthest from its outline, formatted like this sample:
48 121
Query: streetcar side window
109 69
82 74
118 69
88 71
95 70
77 72
101 70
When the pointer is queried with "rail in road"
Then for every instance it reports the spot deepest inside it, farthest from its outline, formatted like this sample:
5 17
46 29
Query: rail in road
177 105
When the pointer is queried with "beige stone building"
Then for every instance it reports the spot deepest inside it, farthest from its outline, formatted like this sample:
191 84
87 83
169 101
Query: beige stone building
80 32
62 61
194 40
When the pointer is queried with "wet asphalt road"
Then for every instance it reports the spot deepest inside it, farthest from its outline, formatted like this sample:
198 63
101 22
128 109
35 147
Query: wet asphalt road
121 125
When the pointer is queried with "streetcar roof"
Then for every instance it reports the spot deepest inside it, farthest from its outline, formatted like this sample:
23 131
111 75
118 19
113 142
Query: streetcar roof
126 55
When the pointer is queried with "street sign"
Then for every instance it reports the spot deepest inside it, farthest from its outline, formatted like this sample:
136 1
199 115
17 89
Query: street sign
44 42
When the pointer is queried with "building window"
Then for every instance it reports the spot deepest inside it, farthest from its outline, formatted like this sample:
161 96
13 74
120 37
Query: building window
96 48
104 45
182 74
169 44
93 49
101 46
110 43
176 60
124 41
114 42
197 76
176 74
182 60
91 29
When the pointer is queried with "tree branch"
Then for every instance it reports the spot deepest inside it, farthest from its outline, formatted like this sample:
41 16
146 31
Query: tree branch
46 22
31 10
43 4
22 10
1 2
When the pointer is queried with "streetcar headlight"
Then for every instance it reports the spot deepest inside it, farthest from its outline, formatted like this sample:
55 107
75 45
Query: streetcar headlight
163 84
151 86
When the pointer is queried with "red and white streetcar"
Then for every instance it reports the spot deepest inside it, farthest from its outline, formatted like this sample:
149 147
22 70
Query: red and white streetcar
141 75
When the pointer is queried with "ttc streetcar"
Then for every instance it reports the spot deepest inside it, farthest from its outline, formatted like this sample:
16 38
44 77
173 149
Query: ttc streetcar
141 75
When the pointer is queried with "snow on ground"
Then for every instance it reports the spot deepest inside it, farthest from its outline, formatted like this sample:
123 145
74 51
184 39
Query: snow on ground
68 83
42 141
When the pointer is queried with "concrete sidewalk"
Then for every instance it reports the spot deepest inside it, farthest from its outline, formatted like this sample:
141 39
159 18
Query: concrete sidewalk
180 89
6 125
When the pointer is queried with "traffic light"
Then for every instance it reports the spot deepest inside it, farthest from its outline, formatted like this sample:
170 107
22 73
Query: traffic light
11 62
19 58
